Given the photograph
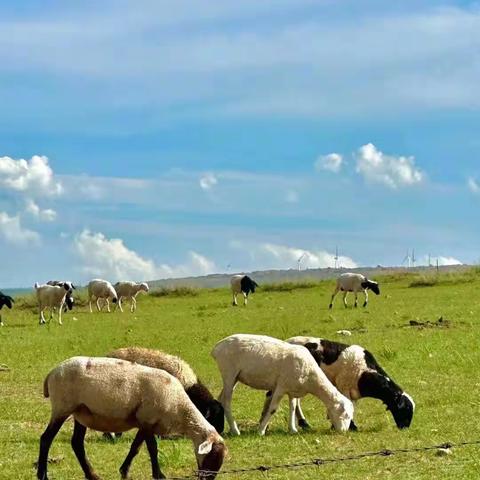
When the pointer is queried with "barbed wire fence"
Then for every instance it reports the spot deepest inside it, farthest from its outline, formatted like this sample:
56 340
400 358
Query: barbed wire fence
318 462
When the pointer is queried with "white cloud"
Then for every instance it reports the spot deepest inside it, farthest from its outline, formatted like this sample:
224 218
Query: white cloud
473 185
331 162
13 232
442 261
275 256
391 171
208 181
33 176
112 259
46 215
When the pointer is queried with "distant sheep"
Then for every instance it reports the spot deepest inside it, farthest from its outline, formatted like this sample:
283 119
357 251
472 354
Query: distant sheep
356 373
108 394
52 297
354 282
98 289
129 290
5 300
198 393
69 301
242 284
266 363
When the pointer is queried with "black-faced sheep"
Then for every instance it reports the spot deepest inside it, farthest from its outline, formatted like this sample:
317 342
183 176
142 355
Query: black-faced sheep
53 297
266 363
356 373
198 393
69 301
108 394
98 289
5 300
242 284
129 291
354 282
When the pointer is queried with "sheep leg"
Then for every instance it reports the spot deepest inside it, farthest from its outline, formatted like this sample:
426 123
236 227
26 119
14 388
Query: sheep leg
133 308
302 421
291 419
42 318
119 303
345 299
234 303
45 442
78 446
274 402
98 304
153 452
245 298
226 401
366 298
90 304
134 449
333 297
108 305
60 314
356 300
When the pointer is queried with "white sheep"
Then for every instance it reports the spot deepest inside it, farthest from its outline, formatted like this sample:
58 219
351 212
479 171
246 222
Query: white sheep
53 297
266 363
108 394
356 373
98 289
242 284
354 282
198 393
129 290
69 301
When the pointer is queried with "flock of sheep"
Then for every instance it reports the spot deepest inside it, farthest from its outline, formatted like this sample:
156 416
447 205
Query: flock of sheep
160 394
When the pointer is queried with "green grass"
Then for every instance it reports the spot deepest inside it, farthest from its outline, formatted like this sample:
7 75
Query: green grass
437 365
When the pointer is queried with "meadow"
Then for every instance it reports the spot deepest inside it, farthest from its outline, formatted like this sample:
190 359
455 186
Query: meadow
435 362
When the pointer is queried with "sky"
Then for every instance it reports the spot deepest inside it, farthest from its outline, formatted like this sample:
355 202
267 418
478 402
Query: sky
153 139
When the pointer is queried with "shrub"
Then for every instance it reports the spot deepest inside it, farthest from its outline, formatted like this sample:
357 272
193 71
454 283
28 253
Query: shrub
175 292
287 286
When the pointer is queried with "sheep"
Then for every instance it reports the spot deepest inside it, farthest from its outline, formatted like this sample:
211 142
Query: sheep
129 290
107 394
52 296
354 282
356 373
98 289
266 363
5 300
69 301
198 393
242 284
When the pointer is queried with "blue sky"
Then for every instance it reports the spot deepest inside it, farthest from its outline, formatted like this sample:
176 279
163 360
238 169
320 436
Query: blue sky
182 138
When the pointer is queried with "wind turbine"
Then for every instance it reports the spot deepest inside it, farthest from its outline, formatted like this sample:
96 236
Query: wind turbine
413 258
407 259
336 257
300 258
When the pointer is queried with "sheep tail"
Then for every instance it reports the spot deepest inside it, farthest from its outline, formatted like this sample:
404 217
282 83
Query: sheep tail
46 394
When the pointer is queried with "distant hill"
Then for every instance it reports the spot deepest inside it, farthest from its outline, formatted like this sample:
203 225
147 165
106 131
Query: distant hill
277 276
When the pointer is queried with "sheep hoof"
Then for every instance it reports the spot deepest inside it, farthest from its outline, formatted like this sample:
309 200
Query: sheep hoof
330 306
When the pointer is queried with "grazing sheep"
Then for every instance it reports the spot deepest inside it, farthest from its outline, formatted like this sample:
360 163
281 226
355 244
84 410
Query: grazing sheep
5 300
356 373
129 290
98 289
108 394
242 284
52 296
198 393
354 282
266 363
69 301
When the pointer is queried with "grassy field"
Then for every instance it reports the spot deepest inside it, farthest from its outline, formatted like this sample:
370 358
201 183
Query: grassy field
437 365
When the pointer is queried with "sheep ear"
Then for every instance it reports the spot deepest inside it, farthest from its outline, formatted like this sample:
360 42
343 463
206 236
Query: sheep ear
312 346
205 447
